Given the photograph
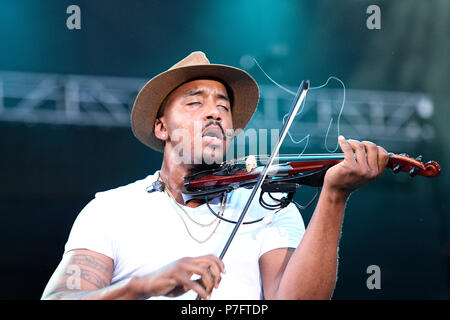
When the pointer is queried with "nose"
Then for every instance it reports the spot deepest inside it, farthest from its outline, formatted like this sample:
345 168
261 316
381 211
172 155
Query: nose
212 112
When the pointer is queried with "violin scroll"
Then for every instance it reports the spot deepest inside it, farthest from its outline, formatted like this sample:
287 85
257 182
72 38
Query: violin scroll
404 163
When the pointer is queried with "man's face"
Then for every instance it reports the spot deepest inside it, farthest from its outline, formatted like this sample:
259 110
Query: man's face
196 120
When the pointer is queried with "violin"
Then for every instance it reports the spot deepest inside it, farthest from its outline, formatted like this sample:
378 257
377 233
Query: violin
289 175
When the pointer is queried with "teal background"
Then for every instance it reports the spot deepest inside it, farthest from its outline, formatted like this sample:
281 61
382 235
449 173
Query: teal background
49 172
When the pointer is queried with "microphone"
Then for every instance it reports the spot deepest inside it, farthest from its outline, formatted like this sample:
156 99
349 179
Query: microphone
158 185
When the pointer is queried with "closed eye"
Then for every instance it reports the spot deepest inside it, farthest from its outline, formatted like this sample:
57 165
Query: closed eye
225 107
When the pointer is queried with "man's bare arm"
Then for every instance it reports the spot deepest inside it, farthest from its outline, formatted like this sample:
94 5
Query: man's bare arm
309 272
85 274
312 267
272 265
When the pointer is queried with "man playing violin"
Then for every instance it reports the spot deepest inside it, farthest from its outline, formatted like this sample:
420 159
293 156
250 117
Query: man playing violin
145 240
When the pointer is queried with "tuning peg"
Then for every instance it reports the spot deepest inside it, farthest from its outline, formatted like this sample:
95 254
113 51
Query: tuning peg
413 171
397 168
419 158
404 154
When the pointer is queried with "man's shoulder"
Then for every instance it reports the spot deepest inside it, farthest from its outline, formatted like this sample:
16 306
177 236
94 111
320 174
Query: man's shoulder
132 189
116 202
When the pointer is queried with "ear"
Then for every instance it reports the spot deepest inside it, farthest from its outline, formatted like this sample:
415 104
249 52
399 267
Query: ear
160 130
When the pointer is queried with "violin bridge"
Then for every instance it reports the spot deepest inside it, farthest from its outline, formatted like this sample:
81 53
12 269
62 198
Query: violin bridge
250 163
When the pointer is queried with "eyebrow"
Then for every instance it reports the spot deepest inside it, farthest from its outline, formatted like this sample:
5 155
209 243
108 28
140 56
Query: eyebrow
198 92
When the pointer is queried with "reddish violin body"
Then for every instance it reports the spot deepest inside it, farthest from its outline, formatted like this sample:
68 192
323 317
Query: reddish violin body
301 170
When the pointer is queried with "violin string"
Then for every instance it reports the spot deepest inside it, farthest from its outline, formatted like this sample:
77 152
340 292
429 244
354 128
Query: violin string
293 157
307 137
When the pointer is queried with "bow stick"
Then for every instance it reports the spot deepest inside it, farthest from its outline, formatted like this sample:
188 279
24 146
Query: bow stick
301 93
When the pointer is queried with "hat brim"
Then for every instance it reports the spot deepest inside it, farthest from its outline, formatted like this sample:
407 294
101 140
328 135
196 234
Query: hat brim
244 89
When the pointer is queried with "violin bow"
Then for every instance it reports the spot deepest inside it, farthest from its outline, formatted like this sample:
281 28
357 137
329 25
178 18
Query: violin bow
297 102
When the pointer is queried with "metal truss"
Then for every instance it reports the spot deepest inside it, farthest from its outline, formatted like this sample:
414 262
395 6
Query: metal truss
67 99
107 101
367 114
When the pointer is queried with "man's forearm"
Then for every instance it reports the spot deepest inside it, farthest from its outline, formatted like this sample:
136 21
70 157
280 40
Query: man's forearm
124 290
311 271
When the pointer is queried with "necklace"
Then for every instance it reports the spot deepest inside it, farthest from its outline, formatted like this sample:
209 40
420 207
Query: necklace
167 191
221 211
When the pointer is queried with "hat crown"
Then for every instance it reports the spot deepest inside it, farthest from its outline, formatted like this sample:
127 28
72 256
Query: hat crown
195 58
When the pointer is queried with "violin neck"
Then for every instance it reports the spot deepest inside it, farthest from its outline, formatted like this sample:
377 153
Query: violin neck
318 157
307 157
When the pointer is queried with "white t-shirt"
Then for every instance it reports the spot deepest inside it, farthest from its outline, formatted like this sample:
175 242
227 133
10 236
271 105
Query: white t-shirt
143 232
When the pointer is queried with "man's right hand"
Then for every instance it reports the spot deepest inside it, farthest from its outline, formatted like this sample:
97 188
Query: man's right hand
175 278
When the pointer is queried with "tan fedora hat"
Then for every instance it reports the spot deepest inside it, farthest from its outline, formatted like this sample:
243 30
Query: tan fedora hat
245 94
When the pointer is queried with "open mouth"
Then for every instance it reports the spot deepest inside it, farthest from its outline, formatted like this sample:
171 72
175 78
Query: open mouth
213 135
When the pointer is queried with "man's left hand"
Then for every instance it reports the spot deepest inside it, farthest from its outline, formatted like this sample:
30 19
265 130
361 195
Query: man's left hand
363 162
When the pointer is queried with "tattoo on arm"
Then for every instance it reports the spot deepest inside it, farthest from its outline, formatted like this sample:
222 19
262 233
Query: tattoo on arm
84 272
91 262
91 277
